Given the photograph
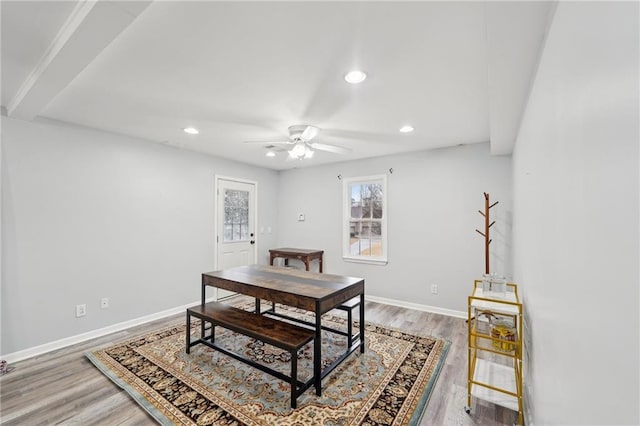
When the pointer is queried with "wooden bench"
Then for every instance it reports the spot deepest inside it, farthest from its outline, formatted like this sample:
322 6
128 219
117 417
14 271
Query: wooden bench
286 336
349 306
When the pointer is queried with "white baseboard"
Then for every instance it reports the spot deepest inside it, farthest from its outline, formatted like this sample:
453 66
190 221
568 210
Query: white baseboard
418 307
79 338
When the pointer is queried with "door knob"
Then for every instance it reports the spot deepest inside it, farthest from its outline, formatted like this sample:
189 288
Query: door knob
252 242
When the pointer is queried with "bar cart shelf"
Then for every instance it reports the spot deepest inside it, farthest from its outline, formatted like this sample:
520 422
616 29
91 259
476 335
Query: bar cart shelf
495 348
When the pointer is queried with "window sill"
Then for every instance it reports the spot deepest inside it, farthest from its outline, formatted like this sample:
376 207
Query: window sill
363 260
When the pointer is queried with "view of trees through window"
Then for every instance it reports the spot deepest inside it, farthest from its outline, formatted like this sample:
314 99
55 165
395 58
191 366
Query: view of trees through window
236 215
366 219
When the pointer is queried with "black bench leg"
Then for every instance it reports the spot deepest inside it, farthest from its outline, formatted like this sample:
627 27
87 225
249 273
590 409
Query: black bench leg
349 328
361 307
294 378
188 338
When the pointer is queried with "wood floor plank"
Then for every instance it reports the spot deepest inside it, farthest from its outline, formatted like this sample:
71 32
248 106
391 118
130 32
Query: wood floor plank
63 387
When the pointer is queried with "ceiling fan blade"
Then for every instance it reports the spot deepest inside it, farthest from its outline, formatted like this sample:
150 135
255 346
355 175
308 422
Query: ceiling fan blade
368 137
309 133
331 95
271 142
330 148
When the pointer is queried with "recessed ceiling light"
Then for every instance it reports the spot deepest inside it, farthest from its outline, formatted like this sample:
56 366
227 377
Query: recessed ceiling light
406 129
271 154
355 77
191 130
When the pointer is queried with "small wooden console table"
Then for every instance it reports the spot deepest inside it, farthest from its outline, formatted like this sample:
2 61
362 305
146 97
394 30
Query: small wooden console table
305 255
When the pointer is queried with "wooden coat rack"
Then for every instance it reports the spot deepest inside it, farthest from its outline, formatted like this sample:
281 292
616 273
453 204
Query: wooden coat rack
485 234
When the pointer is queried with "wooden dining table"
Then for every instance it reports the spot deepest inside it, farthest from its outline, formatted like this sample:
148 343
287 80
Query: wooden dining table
311 291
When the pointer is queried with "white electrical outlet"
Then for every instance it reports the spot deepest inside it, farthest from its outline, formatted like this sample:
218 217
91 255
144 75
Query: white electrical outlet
81 310
301 217
104 303
434 288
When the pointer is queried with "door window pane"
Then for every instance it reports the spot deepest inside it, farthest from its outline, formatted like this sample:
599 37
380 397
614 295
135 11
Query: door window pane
236 215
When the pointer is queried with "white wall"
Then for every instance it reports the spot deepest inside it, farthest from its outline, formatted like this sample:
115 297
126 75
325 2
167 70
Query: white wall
88 214
433 202
576 213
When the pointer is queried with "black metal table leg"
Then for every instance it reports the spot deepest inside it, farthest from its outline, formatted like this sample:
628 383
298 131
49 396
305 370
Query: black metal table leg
188 338
317 352
361 323
294 378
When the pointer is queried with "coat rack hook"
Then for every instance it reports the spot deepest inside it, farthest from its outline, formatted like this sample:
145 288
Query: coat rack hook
391 170
339 177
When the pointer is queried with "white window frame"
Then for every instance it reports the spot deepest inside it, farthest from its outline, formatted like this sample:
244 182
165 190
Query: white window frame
346 220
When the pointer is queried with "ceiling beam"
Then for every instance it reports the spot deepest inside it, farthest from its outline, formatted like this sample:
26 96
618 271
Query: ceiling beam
91 26
512 69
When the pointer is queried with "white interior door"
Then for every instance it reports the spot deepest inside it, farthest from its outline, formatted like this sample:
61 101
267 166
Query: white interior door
235 204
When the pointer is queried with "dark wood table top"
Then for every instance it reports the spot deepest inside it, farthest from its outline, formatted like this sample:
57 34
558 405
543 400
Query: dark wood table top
296 251
293 287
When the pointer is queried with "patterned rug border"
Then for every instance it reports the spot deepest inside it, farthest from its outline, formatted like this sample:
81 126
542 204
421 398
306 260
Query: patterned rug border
426 395
415 419
139 399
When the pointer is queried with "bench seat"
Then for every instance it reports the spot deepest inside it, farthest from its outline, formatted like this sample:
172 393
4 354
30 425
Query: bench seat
284 335
348 307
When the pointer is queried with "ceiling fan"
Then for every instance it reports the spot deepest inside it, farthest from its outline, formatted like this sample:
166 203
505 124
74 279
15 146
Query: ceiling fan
300 142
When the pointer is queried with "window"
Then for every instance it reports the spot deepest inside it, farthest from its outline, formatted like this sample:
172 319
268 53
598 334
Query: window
236 215
365 219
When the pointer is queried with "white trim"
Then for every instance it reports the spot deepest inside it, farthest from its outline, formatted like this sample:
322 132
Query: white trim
418 307
79 338
68 29
346 220
217 179
372 261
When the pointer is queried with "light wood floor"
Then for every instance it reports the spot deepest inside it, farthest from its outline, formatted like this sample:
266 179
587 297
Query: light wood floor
63 387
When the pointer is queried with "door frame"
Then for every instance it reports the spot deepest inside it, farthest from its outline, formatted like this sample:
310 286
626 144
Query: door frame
216 236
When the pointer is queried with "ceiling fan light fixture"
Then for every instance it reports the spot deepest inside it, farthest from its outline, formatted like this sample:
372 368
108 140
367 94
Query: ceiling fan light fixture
406 129
300 151
355 76
191 130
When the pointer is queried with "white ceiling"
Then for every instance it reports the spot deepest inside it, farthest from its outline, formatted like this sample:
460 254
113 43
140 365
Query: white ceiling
459 72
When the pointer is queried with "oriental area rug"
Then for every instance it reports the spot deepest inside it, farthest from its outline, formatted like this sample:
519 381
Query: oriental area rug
389 384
